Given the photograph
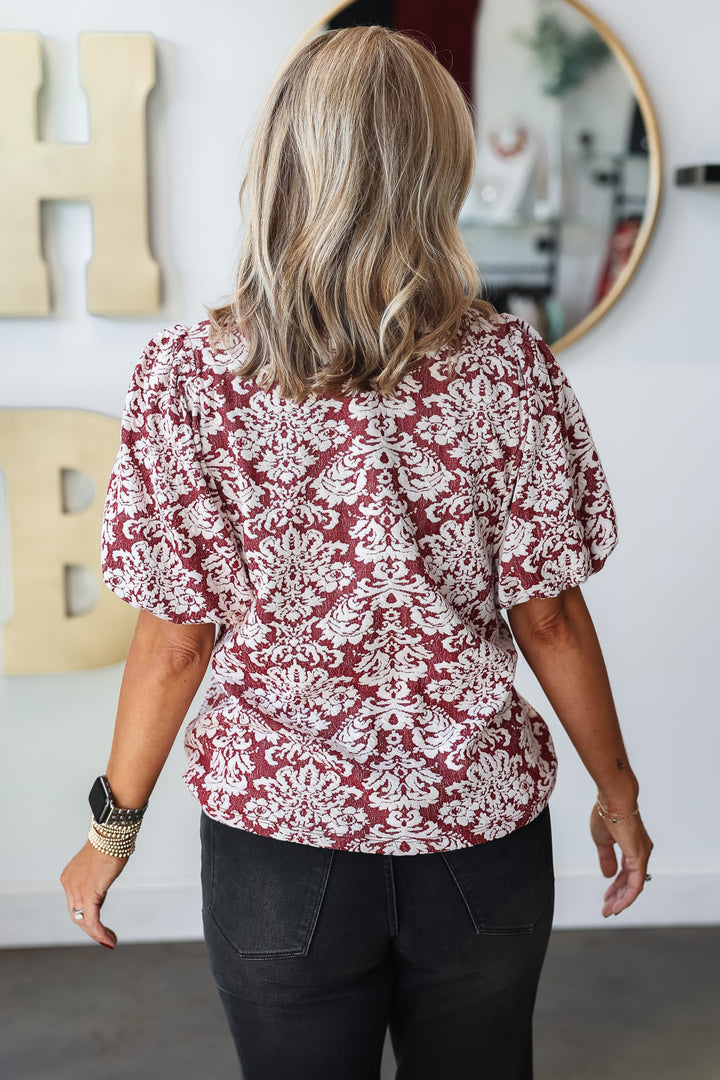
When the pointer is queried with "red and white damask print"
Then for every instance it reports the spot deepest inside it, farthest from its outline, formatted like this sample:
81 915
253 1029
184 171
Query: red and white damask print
356 555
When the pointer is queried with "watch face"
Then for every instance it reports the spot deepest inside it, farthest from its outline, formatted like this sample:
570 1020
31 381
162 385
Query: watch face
100 800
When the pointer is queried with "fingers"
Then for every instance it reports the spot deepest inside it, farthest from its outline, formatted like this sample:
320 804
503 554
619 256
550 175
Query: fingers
624 891
90 921
86 880
635 846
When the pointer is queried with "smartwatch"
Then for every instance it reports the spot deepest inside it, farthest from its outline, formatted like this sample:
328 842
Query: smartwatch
103 807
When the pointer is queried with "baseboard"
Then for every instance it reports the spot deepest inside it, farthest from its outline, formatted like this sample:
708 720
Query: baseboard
34 914
673 898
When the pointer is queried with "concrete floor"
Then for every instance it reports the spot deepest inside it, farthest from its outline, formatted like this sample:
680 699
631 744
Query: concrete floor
613 1005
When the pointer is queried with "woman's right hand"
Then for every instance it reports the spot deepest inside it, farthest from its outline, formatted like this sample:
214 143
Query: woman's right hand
86 880
635 847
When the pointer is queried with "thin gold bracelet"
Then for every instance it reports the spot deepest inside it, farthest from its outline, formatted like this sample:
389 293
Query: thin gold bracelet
604 813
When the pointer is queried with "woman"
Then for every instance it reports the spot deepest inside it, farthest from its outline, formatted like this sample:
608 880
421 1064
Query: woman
347 474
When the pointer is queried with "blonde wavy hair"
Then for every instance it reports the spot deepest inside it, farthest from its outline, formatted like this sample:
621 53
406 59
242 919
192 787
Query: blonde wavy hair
352 264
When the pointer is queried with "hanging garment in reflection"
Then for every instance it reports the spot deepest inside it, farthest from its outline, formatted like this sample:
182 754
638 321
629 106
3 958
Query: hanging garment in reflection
364 13
620 247
451 26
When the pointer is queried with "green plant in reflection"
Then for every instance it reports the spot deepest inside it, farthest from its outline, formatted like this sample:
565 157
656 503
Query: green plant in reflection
565 58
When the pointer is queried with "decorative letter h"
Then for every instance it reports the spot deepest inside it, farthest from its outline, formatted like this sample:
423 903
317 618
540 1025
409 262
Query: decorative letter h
110 171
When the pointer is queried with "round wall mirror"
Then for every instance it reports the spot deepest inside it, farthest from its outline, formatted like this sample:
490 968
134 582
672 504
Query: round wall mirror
567 183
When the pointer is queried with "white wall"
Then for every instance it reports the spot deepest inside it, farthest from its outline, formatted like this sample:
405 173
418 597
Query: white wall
647 376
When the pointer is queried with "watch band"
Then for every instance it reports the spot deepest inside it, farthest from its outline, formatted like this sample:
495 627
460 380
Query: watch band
125 817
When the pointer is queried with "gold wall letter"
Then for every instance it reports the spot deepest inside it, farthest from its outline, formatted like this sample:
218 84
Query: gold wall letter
110 171
47 542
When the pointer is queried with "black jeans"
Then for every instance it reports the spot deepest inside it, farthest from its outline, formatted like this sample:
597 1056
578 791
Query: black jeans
316 952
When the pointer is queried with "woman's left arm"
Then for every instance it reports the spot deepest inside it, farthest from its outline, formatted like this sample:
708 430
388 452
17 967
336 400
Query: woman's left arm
164 668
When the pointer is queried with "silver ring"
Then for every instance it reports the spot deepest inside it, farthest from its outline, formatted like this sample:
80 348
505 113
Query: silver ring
648 877
78 914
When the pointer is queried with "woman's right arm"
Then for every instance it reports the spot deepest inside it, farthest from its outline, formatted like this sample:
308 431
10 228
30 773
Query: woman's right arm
557 638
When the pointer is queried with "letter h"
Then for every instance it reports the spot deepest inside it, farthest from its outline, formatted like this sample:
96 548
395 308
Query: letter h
110 171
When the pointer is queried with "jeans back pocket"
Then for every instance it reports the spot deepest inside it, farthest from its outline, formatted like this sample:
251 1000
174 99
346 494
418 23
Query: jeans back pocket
262 895
506 883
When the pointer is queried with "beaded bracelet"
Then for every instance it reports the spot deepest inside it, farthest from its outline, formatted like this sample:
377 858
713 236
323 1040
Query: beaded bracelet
116 840
604 813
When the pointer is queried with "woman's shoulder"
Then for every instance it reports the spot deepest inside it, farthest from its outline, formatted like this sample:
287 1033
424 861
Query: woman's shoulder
185 356
188 343
501 345
520 347
176 369
496 328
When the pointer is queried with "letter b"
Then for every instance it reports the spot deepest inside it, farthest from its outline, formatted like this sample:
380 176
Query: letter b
49 543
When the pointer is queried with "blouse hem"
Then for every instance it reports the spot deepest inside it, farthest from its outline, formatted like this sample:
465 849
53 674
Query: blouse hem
306 839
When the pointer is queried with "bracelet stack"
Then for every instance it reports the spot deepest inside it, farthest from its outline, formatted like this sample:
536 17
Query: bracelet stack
606 815
117 840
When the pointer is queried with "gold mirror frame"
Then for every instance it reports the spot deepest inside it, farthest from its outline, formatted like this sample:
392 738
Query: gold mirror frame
654 159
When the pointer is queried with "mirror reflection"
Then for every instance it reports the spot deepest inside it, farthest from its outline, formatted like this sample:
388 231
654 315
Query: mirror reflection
564 193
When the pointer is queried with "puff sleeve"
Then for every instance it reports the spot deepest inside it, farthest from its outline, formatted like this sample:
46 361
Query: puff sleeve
560 527
167 546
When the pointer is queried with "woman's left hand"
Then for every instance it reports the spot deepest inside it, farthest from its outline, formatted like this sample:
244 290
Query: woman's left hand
635 847
86 880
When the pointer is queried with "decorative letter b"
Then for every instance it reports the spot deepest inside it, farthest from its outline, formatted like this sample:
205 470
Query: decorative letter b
50 544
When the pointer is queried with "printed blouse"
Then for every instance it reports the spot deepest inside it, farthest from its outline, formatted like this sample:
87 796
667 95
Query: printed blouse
356 556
